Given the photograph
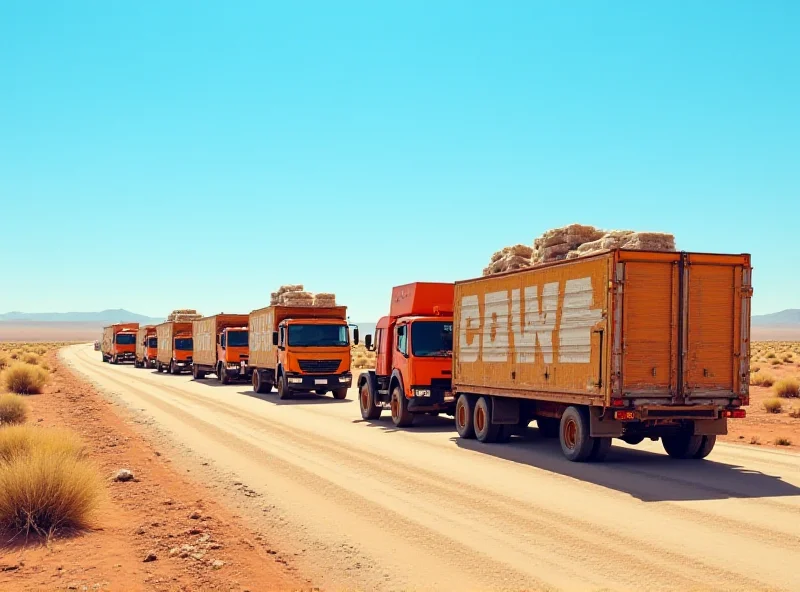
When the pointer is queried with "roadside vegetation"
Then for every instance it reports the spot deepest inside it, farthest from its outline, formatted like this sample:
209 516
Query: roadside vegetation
362 359
47 484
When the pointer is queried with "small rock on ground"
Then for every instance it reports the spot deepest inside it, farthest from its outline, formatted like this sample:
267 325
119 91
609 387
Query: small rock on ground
123 475
151 556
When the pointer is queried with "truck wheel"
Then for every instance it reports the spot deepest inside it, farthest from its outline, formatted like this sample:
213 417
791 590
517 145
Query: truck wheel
401 416
576 443
465 417
369 410
548 426
485 430
600 449
197 374
114 360
283 388
321 392
706 447
172 369
339 393
158 366
225 379
682 445
633 439
259 385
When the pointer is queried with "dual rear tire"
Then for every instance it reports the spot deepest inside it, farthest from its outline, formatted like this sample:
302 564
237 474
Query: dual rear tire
259 384
473 417
685 445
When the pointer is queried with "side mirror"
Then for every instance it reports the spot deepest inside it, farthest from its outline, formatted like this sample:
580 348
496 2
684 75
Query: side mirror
367 341
274 338
355 336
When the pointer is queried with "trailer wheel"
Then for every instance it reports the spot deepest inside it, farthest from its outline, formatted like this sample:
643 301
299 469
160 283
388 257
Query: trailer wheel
172 368
682 445
600 449
260 385
706 447
465 416
548 427
224 378
197 374
401 416
283 388
339 393
485 431
369 410
576 443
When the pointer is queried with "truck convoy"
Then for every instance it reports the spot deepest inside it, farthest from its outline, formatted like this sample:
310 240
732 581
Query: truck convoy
146 347
623 344
175 347
414 347
301 349
119 342
220 346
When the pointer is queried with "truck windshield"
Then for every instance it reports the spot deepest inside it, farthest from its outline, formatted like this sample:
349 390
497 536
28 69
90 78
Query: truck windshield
152 342
126 339
318 335
183 343
236 339
431 339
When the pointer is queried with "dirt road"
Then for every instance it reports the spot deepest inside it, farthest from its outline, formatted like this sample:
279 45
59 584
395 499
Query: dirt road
360 504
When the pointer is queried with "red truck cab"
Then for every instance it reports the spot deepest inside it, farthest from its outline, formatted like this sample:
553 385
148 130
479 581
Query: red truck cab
414 346
233 353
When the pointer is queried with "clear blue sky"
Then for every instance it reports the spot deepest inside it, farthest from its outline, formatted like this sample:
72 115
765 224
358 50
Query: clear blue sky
156 155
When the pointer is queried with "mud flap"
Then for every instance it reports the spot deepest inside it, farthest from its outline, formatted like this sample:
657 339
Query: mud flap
600 427
711 427
505 411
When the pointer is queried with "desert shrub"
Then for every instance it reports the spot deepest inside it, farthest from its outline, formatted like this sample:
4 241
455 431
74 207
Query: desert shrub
25 379
787 388
783 441
24 439
13 409
773 405
41 350
759 379
4 361
31 358
775 362
754 369
43 492
755 440
15 354
795 413
771 355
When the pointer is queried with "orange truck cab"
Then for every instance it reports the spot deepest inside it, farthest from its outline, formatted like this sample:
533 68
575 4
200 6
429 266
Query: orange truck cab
146 348
175 346
119 342
414 346
221 346
301 349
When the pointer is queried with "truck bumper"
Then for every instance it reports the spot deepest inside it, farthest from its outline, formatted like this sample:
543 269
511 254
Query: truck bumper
239 372
312 382
431 399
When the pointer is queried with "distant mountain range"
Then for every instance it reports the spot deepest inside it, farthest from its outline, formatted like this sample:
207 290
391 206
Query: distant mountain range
785 318
118 315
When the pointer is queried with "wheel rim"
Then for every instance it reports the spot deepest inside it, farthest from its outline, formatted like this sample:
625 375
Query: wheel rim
395 405
462 414
480 419
364 398
570 433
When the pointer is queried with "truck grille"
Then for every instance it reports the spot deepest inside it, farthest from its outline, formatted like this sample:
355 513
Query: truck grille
319 366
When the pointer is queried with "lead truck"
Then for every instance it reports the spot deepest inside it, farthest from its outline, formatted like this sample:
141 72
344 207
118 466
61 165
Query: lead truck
119 342
622 344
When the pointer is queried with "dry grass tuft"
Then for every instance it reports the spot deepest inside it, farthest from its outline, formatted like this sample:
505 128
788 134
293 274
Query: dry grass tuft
759 379
754 369
795 413
45 481
771 355
775 362
755 440
787 388
773 405
4 361
31 358
13 409
25 379
783 441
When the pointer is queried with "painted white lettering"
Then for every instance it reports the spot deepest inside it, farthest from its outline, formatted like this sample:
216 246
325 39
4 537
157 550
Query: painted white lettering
538 325
577 321
495 327
469 325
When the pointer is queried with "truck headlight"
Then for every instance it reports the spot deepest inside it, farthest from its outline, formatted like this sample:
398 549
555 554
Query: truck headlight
295 380
345 378
233 366
422 392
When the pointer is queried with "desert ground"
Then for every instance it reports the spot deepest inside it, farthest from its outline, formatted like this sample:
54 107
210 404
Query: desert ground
303 493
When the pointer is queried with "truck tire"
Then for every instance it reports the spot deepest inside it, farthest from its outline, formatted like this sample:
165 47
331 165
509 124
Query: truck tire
600 449
283 388
706 446
369 410
485 431
259 384
114 359
197 374
548 426
158 367
633 439
401 416
321 392
576 443
172 368
465 416
682 445
339 393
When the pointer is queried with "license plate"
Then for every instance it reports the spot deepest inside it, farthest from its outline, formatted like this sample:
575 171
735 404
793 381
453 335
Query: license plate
321 381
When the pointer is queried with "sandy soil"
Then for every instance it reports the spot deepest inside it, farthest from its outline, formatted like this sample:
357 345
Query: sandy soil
362 505
151 514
